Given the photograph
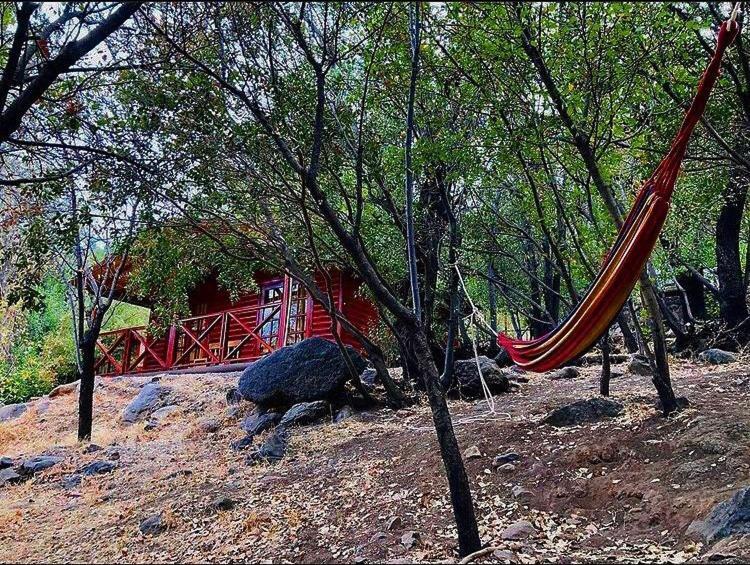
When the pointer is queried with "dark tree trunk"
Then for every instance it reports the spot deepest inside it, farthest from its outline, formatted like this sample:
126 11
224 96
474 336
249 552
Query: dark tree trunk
695 292
732 301
87 349
628 335
420 359
659 363
606 367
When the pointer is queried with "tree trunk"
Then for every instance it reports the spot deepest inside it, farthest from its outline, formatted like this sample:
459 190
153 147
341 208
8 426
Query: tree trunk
659 362
420 358
628 335
695 292
732 302
87 349
606 368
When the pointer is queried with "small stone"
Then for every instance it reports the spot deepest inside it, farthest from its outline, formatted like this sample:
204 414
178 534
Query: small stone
5 462
394 523
98 468
152 525
410 539
565 373
61 390
257 423
378 536
91 448
12 411
232 412
521 493
520 530
305 413
222 504
37 464
639 365
506 468
510 457
71 481
209 426
241 444
472 453
233 397
9 477
113 455
504 556
345 413
717 356
272 450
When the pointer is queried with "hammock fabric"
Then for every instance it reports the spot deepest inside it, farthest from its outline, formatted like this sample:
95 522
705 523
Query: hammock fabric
625 261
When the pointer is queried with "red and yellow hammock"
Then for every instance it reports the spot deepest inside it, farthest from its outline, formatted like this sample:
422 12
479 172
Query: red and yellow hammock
632 248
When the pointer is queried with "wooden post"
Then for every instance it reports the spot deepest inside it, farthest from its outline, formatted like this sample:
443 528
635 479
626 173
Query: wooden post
125 365
171 345
286 290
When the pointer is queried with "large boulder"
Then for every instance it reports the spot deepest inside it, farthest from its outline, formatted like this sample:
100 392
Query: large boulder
151 396
467 383
591 410
717 356
313 369
726 518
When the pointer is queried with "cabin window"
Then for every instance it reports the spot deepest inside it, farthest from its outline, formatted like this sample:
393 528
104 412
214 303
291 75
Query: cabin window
270 314
295 327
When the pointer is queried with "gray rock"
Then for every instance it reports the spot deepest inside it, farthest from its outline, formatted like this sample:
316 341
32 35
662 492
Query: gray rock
157 417
467 383
71 481
150 397
209 426
233 397
62 390
591 410
241 444
717 356
520 530
305 413
727 518
9 477
410 539
37 464
369 377
222 504
506 468
91 448
504 556
520 493
5 462
472 453
394 523
509 457
152 525
344 413
258 423
638 365
310 370
12 411
273 449
565 373
98 468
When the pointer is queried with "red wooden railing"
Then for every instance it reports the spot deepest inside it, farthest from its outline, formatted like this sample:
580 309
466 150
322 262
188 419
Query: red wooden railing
231 336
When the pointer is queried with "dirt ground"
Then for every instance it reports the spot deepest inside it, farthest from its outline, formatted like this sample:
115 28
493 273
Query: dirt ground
622 490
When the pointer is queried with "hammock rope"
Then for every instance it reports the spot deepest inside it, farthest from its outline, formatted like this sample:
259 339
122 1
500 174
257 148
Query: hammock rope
635 241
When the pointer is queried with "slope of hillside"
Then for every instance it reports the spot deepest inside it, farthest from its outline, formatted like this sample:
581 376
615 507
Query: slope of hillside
371 488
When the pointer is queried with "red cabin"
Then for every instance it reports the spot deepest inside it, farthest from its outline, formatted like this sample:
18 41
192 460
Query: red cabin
220 331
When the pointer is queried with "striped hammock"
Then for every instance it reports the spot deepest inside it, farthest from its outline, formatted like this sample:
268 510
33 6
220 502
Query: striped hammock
632 248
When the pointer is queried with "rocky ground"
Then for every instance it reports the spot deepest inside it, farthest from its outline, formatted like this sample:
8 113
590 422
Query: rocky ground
370 488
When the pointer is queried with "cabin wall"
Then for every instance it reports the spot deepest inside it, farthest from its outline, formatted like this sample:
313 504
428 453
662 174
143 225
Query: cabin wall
208 298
